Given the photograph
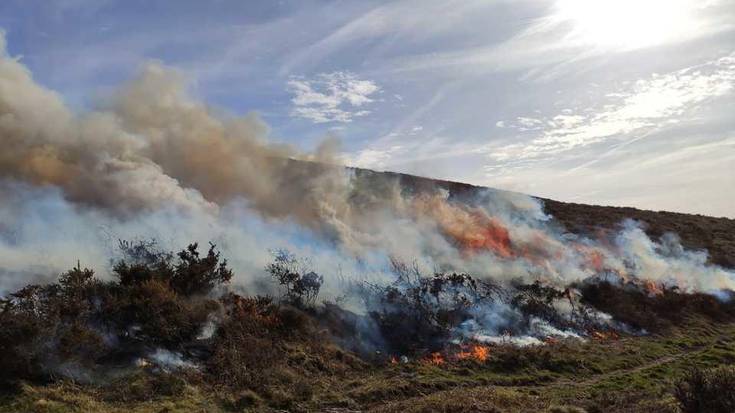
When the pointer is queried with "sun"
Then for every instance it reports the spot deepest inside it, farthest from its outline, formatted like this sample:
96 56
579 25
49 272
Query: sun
627 24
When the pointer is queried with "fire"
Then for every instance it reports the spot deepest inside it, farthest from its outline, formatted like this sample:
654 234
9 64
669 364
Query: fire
604 335
436 359
393 360
653 287
595 259
493 236
472 228
476 352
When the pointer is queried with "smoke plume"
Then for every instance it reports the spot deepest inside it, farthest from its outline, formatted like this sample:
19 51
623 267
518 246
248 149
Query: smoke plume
153 162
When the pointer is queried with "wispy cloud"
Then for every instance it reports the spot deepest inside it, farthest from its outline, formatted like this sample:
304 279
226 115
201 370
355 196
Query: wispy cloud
331 97
640 107
408 20
565 32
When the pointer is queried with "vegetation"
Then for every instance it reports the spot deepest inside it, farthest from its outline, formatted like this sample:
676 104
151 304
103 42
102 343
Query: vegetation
697 232
166 334
417 313
707 391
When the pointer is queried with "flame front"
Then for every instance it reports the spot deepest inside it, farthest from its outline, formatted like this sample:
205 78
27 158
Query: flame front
436 359
476 352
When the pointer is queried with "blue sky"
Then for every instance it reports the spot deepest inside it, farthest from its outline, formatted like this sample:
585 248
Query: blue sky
607 102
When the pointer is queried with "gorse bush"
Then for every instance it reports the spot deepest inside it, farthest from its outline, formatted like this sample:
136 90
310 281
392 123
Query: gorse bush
89 330
156 300
191 275
707 391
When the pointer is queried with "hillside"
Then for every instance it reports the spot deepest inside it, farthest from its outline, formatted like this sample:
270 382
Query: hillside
716 235
167 331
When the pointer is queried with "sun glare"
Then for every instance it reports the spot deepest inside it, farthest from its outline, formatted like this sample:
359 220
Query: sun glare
628 24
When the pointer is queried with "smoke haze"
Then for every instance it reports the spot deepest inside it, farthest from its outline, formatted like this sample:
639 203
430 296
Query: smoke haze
152 162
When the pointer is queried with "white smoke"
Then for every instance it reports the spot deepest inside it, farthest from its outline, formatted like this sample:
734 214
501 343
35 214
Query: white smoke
154 163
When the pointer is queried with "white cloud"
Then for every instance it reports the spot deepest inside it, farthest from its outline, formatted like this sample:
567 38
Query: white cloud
640 108
331 97
568 32
407 20
373 158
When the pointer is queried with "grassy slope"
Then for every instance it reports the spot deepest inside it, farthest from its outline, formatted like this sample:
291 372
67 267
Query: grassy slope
627 374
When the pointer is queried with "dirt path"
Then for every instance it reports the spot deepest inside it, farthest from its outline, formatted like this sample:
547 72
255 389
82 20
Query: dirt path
611 374
645 366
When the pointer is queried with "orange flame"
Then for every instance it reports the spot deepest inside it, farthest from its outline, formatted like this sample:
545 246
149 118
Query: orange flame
653 287
476 352
436 359
604 335
470 227
493 236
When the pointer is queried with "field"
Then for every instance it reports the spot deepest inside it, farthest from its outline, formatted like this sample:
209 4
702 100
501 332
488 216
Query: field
628 374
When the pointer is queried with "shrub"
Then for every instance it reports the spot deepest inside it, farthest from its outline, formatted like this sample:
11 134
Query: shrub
156 301
302 286
707 391
639 309
195 275
416 312
191 275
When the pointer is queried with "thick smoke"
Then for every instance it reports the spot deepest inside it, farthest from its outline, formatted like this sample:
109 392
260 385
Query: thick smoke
151 146
152 162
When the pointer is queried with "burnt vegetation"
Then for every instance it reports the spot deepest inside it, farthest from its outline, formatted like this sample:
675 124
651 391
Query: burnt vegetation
91 331
71 327
656 313
164 322
417 313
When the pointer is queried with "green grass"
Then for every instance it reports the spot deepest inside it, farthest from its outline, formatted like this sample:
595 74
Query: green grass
629 374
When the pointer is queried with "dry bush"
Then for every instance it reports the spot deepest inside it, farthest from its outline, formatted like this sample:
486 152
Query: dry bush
302 285
143 386
416 313
654 313
245 344
707 391
156 301
275 351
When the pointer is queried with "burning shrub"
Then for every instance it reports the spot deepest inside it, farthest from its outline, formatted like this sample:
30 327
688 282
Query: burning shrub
537 300
159 301
302 286
707 391
19 339
153 314
417 313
